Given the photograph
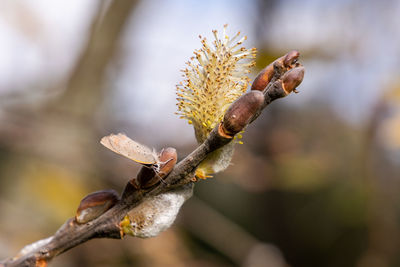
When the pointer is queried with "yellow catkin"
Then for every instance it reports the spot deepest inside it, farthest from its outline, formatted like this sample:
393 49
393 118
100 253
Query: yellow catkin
214 78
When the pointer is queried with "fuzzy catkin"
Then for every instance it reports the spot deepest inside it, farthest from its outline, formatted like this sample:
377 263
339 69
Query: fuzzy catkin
215 77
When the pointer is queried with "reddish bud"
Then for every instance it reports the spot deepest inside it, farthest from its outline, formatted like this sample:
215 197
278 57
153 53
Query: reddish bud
95 204
168 159
241 112
291 58
285 62
149 176
292 78
146 177
263 78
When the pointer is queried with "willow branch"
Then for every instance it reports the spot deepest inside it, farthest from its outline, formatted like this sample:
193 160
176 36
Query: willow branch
85 83
277 80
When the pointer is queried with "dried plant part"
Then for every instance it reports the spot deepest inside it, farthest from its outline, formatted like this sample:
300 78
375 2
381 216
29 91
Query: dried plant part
123 145
148 207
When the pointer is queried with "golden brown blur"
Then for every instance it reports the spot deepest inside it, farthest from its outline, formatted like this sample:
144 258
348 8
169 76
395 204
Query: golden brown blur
316 182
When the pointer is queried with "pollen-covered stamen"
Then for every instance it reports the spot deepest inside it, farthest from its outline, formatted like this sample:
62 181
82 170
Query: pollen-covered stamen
215 77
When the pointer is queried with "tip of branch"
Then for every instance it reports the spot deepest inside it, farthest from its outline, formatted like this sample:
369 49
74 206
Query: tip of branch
291 58
292 79
284 63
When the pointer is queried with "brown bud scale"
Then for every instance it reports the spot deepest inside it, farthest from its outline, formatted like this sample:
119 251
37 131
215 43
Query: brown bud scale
292 78
242 111
168 159
95 204
291 58
263 78
285 62
149 176
146 177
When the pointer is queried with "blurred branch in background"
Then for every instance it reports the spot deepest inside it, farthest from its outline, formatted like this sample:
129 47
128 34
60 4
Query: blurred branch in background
53 139
153 204
382 183
227 237
41 130
84 89
327 196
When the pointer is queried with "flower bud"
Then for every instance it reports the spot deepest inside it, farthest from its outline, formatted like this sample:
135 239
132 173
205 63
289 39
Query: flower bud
146 177
149 176
168 159
155 213
241 112
263 78
292 78
291 58
95 204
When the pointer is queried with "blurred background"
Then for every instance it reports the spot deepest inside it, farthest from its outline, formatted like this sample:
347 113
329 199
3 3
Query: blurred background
316 183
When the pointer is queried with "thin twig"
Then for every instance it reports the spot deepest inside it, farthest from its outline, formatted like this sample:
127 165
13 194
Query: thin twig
71 234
